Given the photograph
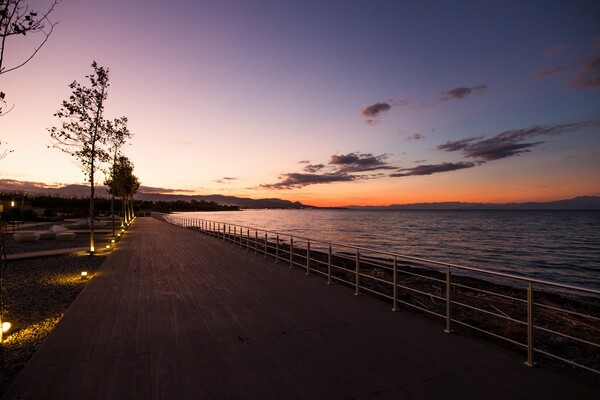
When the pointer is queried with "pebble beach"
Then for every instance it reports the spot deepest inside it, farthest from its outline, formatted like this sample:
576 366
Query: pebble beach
36 293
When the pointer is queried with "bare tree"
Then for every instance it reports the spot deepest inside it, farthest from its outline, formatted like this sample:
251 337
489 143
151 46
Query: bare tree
82 132
117 135
124 184
17 19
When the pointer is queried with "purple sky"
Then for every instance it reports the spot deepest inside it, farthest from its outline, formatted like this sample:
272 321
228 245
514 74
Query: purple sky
328 102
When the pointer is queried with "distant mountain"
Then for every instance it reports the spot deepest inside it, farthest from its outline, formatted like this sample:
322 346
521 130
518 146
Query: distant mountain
146 194
223 200
577 203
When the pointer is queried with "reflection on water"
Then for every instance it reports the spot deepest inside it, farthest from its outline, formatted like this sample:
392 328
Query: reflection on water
562 246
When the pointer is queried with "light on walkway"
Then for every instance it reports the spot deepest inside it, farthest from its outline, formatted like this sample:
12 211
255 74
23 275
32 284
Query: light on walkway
84 274
6 327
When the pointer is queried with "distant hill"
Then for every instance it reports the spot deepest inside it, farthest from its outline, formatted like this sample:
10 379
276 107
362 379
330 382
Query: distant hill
577 203
223 200
145 194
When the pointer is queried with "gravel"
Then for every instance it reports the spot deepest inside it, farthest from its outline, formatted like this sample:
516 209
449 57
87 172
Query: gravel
36 293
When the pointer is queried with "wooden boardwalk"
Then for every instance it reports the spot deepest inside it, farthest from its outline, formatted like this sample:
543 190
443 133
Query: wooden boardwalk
173 314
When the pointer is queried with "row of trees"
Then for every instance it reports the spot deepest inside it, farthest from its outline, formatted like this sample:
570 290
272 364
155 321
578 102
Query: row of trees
83 132
95 141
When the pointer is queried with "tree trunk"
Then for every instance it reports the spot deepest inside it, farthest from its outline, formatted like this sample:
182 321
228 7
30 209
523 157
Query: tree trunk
112 198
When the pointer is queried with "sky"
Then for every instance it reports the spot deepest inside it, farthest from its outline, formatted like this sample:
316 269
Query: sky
330 103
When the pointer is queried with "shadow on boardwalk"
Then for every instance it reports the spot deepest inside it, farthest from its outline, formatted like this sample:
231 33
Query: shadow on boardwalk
173 314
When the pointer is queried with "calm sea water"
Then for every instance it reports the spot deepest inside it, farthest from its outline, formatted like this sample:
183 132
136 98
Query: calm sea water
561 246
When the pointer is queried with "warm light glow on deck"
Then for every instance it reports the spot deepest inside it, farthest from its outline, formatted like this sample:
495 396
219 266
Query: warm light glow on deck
84 274
6 327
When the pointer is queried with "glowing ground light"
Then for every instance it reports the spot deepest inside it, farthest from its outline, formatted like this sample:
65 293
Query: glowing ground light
84 274
108 246
6 327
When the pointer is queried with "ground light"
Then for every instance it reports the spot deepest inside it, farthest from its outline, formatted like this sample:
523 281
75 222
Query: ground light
84 274
5 328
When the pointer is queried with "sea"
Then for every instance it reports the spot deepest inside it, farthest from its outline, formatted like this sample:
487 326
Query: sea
559 246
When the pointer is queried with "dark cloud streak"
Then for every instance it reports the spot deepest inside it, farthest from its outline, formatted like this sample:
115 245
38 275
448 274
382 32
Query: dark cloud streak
430 169
462 92
509 143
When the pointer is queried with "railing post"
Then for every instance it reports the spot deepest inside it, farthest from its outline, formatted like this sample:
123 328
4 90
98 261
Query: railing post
277 250
291 252
255 241
357 272
247 239
307 256
530 361
266 241
395 281
448 301
329 265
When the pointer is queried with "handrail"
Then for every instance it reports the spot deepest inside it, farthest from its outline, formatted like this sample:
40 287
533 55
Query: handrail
374 271
428 261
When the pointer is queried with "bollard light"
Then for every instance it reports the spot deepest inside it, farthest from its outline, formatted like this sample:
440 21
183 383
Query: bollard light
84 274
6 326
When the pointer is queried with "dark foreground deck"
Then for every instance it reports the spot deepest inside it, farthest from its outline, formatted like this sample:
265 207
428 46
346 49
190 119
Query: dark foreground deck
174 314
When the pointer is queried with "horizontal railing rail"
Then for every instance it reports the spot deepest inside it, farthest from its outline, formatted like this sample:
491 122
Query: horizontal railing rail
540 317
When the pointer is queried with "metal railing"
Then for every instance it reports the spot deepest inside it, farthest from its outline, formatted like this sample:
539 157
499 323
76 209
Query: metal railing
541 318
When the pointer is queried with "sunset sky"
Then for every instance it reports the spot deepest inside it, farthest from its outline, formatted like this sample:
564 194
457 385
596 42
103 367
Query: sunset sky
330 103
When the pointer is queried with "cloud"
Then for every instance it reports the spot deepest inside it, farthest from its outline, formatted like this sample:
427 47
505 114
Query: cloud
358 162
298 180
510 143
159 190
340 168
373 111
313 168
462 92
588 74
400 103
226 179
27 186
416 136
548 72
432 169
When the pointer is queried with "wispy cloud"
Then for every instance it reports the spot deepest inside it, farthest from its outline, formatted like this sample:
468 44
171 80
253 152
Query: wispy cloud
159 190
432 169
588 74
298 180
548 72
416 136
27 186
313 168
512 142
462 92
226 179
